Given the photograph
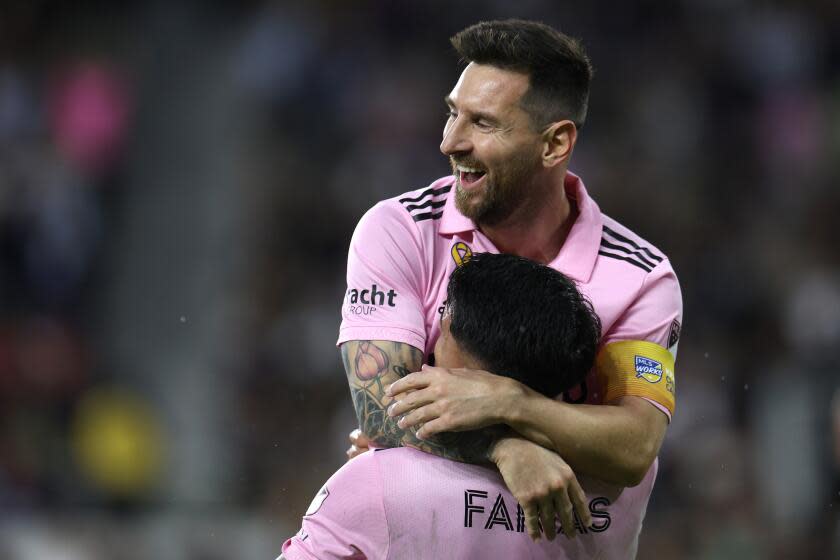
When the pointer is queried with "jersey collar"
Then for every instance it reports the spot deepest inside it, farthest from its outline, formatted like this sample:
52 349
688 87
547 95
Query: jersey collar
578 254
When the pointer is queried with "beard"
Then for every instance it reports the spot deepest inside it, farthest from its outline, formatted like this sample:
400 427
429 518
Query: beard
505 189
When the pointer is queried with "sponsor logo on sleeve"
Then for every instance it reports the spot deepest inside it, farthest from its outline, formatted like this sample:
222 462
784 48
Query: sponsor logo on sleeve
647 369
366 301
461 253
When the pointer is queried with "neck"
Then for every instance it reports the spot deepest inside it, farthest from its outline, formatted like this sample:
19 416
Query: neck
538 229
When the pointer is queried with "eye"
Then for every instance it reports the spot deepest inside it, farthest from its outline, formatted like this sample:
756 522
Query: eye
482 124
451 114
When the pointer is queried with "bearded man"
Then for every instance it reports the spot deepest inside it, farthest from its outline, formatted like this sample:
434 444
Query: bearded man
512 124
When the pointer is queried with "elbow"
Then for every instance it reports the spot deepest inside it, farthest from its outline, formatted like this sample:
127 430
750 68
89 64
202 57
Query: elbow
631 462
636 466
633 477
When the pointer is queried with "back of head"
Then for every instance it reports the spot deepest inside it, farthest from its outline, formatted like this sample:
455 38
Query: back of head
558 68
523 320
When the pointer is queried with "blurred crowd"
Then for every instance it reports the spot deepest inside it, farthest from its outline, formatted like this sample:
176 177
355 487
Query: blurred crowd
178 187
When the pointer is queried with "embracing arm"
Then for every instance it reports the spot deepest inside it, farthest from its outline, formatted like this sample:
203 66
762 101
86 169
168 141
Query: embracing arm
371 366
615 443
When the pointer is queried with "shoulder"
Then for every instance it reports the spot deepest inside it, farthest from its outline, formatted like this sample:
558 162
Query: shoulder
639 291
426 204
361 466
422 207
623 245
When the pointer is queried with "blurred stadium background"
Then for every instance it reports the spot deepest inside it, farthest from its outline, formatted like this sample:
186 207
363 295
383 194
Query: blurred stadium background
178 186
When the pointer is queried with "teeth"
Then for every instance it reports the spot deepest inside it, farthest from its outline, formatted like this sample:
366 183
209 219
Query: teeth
465 169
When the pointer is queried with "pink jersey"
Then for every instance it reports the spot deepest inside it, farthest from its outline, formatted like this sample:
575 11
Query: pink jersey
405 248
436 508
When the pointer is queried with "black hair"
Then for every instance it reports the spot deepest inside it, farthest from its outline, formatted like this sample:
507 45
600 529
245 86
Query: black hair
523 320
557 67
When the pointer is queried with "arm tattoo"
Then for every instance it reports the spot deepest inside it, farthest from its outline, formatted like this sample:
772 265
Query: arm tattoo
372 365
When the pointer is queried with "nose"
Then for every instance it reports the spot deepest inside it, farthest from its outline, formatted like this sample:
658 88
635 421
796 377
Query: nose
455 138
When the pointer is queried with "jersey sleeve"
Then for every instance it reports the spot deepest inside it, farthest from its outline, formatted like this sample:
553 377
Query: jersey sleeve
385 273
346 520
638 354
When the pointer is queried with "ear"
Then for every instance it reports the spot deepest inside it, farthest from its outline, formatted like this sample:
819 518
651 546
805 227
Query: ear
559 141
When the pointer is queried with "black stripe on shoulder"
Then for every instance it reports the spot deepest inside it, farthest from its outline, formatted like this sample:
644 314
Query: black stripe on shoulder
426 216
431 202
632 243
606 243
634 262
427 192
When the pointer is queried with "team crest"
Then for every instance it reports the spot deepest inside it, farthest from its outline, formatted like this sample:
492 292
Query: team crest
461 253
674 333
649 370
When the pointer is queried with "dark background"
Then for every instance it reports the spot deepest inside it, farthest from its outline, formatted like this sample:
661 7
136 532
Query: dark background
178 186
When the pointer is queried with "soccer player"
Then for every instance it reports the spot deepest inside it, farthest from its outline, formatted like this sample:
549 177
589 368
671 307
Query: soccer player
404 503
512 123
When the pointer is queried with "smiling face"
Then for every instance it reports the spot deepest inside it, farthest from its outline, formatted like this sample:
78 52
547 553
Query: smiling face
490 140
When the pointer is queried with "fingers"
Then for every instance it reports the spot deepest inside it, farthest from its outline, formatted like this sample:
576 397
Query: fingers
426 420
358 438
354 451
565 512
416 418
532 522
359 443
578 497
432 427
410 382
547 516
409 402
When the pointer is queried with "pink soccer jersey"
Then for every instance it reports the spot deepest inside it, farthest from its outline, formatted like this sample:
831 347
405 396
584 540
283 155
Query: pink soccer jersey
436 508
405 248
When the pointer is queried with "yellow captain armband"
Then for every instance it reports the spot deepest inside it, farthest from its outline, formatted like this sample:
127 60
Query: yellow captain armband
636 368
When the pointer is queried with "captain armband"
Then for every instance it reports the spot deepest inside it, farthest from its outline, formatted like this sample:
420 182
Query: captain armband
637 368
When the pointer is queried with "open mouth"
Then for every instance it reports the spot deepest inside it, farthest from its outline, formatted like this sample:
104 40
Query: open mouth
470 177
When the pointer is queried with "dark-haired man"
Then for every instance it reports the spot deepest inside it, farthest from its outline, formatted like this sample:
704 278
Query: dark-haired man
513 121
402 503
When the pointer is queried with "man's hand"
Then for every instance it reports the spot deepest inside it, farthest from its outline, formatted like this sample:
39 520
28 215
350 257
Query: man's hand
450 400
359 443
543 484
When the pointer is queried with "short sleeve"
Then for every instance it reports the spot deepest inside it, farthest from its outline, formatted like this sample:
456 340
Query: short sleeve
638 354
655 313
385 275
346 519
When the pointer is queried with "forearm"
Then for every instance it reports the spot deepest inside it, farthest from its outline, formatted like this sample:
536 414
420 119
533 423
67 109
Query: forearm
616 444
373 365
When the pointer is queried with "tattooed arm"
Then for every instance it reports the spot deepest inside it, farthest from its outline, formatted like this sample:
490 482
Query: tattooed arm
372 365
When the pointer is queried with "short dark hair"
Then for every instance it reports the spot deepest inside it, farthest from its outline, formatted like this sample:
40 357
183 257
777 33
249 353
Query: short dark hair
523 320
557 67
